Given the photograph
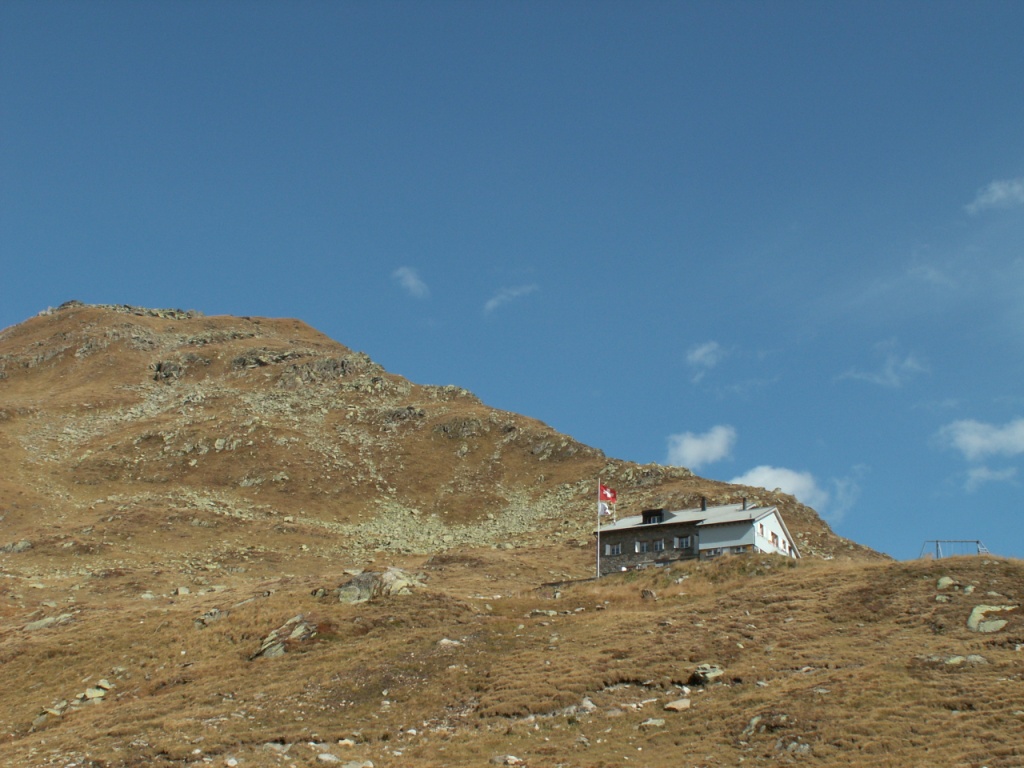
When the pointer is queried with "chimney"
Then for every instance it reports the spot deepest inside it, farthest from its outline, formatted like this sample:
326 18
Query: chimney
703 504
744 503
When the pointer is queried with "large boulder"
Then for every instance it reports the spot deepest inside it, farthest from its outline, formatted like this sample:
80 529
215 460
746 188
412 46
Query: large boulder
979 621
294 631
705 674
372 585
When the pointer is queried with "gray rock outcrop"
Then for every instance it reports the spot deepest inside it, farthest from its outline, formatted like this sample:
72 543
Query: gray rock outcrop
295 630
705 674
373 585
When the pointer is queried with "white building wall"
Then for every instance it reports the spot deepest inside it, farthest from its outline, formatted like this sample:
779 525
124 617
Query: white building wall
772 525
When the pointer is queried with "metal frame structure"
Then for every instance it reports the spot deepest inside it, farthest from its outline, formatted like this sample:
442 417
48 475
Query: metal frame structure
954 547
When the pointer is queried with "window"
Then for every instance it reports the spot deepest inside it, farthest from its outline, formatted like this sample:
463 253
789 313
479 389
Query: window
613 549
681 542
642 546
659 545
738 550
652 516
775 539
760 529
713 552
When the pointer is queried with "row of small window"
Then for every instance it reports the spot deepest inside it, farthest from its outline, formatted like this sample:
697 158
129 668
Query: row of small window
721 550
658 545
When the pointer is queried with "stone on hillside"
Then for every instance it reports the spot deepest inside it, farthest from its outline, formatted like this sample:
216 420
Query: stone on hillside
955 660
208 618
652 723
295 630
945 582
766 724
506 760
978 621
57 709
679 705
706 673
372 585
95 693
648 594
49 621
167 370
796 748
32 626
18 546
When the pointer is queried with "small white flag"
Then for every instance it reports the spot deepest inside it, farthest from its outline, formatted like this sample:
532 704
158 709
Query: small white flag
602 509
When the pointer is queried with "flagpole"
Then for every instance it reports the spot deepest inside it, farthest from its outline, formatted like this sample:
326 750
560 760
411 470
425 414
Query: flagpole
598 527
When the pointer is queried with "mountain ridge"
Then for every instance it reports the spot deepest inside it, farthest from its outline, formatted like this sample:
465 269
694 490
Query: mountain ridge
263 419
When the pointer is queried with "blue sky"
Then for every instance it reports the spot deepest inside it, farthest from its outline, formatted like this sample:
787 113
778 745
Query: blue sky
772 241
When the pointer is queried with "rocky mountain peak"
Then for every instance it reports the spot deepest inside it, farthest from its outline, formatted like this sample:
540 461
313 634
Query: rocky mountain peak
161 426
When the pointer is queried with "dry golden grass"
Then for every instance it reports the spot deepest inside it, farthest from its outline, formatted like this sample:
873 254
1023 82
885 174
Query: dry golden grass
844 664
837 663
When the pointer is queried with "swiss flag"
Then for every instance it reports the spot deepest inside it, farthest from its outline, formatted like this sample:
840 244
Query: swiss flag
605 493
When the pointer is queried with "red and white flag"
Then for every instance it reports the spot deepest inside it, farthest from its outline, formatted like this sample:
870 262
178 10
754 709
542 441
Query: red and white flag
604 493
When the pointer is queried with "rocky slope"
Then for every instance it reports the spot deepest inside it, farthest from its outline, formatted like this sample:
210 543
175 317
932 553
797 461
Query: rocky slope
126 429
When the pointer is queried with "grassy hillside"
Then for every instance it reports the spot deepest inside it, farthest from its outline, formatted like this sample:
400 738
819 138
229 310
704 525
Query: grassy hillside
824 663
183 496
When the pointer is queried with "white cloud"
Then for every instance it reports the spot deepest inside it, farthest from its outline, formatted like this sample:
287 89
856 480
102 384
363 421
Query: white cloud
409 279
978 476
1003 193
976 440
704 357
932 275
846 491
832 500
693 451
799 484
505 295
895 371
